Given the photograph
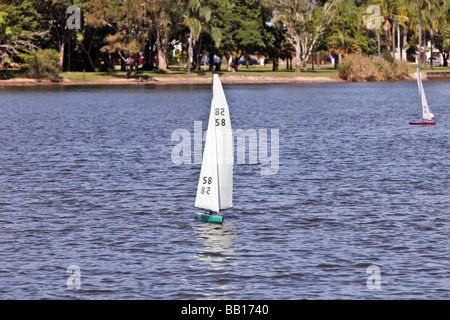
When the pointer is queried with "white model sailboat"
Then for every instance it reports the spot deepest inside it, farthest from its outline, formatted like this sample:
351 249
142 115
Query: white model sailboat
427 116
215 185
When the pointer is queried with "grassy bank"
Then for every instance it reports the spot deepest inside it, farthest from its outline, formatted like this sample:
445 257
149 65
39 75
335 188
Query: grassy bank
253 71
176 72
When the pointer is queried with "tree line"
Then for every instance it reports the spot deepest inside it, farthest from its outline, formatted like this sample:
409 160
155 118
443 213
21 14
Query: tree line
291 30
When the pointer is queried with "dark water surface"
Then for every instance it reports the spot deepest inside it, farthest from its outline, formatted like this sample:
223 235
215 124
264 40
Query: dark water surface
87 179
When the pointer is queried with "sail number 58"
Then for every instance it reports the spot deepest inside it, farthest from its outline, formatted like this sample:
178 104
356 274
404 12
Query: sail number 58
206 180
220 112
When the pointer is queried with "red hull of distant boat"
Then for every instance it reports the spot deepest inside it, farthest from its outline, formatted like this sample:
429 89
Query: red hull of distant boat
422 122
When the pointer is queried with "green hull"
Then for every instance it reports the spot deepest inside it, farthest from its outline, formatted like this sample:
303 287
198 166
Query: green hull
211 218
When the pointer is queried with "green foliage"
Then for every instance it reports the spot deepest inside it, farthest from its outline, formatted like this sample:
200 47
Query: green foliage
2 18
246 27
21 14
442 43
43 64
346 31
442 39
387 56
116 29
411 53
7 62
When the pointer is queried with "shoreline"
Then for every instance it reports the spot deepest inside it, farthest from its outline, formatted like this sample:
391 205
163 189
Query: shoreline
178 80
168 80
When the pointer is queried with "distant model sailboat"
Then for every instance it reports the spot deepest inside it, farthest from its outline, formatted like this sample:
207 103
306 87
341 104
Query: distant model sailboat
427 116
215 185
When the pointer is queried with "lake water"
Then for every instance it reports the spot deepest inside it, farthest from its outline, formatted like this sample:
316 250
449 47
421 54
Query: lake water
87 179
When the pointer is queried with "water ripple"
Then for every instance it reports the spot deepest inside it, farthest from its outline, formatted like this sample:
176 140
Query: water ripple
91 183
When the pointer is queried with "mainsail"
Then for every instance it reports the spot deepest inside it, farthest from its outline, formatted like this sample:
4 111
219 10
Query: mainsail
426 114
215 185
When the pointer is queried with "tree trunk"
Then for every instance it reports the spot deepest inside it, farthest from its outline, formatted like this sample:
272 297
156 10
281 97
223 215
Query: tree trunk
306 51
387 39
379 42
400 43
87 51
152 55
123 65
61 54
420 35
198 55
61 41
304 61
393 39
431 35
211 61
189 57
297 55
405 38
90 61
425 48
161 46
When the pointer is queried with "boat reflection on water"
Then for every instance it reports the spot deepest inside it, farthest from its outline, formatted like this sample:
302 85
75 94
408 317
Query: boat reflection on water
217 251
217 255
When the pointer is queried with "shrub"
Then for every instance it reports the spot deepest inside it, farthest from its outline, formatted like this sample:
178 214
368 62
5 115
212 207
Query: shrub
43 64
384 68
357 68
397 70
401 70
388 56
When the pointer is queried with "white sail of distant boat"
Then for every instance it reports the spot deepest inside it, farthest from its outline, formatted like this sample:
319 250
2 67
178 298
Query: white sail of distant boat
215 185
427 116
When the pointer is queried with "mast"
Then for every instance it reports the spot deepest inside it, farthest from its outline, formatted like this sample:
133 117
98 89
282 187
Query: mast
217 153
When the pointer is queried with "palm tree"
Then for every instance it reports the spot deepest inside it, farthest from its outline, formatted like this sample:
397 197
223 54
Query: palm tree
372 20
399 16
420 4
407 24
342 45
391 11
195 12
197 19
441 23
430 8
